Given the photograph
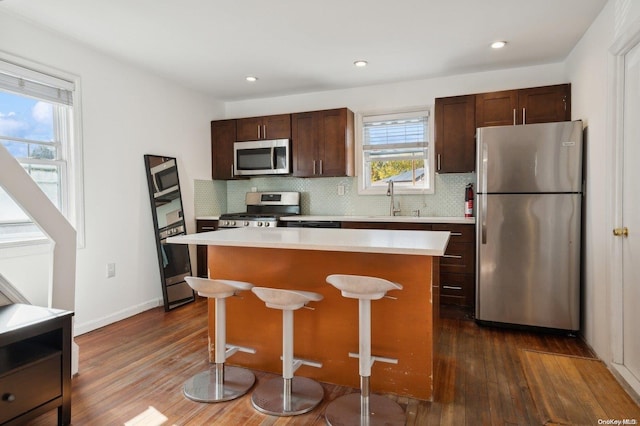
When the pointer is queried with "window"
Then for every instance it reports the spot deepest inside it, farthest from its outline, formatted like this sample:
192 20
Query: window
395 147
36 127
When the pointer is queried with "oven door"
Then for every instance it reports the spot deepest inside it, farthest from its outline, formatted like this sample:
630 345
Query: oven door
271 157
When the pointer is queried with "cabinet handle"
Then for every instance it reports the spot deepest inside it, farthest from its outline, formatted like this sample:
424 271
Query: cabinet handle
314 167
8 397
264 131
320 166
456 234
514 116
453 256
523 116
452 287
232 170
208 228
258 131
439 162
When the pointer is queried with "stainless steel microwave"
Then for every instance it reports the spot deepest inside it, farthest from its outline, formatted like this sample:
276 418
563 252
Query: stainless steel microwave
165 180
268 157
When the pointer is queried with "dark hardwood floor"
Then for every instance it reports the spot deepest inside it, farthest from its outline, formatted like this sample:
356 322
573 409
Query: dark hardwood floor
136 368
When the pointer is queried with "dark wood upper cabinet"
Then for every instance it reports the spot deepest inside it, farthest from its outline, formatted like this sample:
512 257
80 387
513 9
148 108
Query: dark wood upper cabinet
322 143
455 134
497 108
261 128
545 104
457 117
223 135
524 106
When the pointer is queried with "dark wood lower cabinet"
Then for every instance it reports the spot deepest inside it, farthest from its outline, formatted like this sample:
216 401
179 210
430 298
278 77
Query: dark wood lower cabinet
35 363
457 266
204 225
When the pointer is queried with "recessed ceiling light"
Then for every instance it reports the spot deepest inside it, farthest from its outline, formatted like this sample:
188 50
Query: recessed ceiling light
360 63
498 44
251 79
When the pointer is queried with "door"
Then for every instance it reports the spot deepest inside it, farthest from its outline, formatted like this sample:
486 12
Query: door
631 215
533 158
528 259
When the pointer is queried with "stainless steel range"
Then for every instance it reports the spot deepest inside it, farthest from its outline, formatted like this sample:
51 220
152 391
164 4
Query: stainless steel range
263 210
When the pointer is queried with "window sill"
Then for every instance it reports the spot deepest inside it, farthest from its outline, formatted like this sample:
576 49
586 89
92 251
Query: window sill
32 245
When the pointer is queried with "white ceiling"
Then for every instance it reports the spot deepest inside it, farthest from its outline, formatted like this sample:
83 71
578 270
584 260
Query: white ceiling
298 46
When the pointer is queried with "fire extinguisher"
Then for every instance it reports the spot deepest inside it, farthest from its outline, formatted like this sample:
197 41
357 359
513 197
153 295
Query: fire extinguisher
468 201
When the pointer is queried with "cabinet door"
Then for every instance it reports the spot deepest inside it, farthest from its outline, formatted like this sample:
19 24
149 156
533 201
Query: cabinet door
304 144
276 127
259 128
204 225
335 147
455 134
249 129
497 109
223 135
545 104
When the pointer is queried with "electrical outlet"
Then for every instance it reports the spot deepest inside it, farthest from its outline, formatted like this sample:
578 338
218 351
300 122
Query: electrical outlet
341 189
111 270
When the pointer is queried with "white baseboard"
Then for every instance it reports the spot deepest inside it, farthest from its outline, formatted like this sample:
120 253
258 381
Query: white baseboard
115 317
627 380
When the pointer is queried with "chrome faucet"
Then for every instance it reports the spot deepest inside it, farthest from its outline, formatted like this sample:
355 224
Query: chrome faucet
392 204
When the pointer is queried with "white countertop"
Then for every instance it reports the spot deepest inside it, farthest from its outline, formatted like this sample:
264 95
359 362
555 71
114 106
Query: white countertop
398 219
425 243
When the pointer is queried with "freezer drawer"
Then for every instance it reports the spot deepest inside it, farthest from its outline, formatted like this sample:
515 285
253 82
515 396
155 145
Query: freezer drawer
528 259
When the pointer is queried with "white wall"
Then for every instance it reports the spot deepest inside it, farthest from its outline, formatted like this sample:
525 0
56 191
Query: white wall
590 70
402 95
126 113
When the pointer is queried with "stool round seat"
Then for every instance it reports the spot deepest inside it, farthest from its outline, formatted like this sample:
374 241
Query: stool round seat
220 382
215 288
287 395
362 287
285 299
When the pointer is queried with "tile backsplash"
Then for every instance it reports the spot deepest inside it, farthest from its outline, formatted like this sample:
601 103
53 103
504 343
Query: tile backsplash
319 196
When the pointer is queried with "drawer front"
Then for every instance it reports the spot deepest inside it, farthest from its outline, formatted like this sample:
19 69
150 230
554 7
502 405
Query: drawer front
206 225
457 289
30 387
458 258
459 233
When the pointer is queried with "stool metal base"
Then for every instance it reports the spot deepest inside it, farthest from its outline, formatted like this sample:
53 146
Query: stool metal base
345 411
269 397
203 388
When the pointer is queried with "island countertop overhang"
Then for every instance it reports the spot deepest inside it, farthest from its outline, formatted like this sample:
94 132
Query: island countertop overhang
423 243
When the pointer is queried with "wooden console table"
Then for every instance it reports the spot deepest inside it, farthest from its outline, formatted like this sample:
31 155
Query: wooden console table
35 363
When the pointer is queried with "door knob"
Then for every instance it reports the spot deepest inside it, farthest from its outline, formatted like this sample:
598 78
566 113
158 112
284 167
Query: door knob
621 232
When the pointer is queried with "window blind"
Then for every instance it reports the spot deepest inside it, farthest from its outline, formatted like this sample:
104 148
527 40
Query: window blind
35 84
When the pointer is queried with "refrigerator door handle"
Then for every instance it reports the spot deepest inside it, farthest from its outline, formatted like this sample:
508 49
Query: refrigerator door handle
484 162
483 225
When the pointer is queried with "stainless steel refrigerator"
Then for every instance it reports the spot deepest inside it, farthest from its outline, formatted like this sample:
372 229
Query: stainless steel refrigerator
528 222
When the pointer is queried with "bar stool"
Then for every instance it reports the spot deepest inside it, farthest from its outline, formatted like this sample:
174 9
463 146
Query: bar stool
287 395
222 383
364 409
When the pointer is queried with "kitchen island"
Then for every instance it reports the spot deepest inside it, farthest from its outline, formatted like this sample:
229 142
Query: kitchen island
403 327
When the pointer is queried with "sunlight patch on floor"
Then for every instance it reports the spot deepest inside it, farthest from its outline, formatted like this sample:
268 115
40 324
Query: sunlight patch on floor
149 417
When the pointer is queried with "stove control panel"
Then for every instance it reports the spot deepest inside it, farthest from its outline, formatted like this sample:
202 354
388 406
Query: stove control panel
248 223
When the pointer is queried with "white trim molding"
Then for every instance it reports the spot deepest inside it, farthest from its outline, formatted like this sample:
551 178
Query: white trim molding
621 46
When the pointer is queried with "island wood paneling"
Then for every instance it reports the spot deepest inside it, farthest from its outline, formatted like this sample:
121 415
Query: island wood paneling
402 328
